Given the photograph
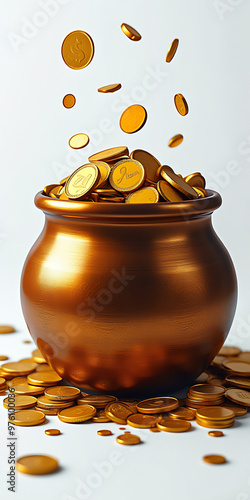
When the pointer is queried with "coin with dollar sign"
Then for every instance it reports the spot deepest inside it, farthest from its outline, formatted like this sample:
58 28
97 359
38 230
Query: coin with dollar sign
77 49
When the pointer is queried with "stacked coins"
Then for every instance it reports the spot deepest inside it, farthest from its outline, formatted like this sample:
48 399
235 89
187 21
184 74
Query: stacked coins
205 395
114 176
215 417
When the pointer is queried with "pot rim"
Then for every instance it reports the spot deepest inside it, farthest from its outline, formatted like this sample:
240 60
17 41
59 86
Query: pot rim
100 211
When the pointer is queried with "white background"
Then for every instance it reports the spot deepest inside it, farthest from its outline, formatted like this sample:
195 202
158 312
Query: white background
212 70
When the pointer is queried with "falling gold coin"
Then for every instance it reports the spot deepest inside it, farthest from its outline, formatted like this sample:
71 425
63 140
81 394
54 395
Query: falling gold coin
52 432
169 193
77 414
183 413
98 401
216 433
175 141
133 118
143 421
237 367
169 424
110 155
18 368
128 439
36 464
127 176
104 170
130 32
62 393
104 432
181 104
27 418
110 88
196 180
149 162
38 357
82 182
239 396
43 378
69 101
177 182
144 195
172 50
157 405
19 402
77 49
79 141
118 412
6 329
214 459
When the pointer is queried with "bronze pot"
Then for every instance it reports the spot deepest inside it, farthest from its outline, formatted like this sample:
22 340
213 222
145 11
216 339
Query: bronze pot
129 299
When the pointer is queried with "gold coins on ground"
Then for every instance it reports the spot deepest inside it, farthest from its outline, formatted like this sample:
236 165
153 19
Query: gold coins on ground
19 402
183 413
98 401
110 155
172 50
227 350
196 180
100 416
118 412
79 141
130 32
215 416
127 176
133 118
77 49
237 367
236 381
82 182
145 195
128 439
239 411
169 424
6 329
77 414
43 378
52 432
177 182
36 464
143 421
38 357
157 405
150 164
18 368
239 396
206 392
104 432
26 389
3 358
27 418
175 141
45 402
2 382
169 193
110 88
69 101
214 459
62 393
216 433
181 104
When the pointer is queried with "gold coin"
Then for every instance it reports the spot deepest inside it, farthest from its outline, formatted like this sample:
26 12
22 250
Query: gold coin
2 382
143 421
77 414
210 424
62 393
196 180
77 49
217 361
206 391
44 367
43 378
216 433
48 411
145 195
130 32
55 191
16 381
133 118
69 101
6 329
104 432
26 418
118 412
45 402
181 104
27 389
214 459
127 176
131 404
19 402
157 405
169 193
63 196
183 413
64 180
52 432
101 417
38 357
98 401
175 141
154 429
110 155
3 358
237 367
36 464
169 424
227 350
149 162
104 170
244 356
82 182
201 192
194 404
236 381
172 50
203 377
110 88
48 189
18 368
215 413
107 192
239 411
128 439
216 381
78 141
239 396
177 182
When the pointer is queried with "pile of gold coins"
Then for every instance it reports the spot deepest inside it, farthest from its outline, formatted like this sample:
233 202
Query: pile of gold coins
114 176
36 392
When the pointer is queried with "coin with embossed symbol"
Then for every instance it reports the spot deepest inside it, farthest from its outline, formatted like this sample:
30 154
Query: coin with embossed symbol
82 182
127 176
157 405
77 49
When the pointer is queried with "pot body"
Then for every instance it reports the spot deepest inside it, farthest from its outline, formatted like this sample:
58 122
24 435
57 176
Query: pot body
131 307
